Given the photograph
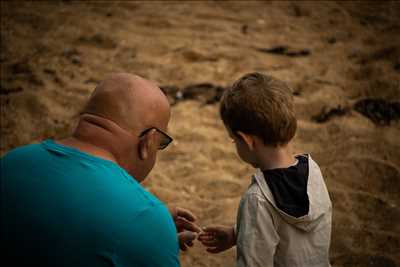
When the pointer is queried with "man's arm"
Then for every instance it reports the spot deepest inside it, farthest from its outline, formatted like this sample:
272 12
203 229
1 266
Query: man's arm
256 237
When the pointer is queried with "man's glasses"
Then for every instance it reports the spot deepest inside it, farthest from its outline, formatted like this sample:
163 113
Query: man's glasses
165 141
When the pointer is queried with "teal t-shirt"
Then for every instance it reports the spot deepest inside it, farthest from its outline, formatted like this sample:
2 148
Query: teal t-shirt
63 207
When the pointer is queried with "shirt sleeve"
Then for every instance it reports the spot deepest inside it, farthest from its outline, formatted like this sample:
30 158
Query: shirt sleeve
257 237
149 240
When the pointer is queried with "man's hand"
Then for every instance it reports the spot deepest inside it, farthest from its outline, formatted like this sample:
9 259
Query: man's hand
186 239
185 226
184 220
217 238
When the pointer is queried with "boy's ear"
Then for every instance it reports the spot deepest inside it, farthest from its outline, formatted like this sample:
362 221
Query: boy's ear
248 139
146 144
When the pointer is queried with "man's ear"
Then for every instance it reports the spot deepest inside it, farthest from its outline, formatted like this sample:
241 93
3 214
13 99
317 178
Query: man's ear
146 144
248 139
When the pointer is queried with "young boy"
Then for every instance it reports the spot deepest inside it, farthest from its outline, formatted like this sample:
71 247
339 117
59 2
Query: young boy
284 218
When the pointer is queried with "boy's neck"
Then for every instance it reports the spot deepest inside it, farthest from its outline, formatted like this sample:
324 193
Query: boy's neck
276 157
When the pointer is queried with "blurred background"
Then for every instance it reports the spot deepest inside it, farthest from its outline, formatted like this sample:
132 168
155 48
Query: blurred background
341 58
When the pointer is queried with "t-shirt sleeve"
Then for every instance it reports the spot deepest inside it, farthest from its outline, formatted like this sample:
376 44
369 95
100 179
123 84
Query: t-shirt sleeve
256 235
149 239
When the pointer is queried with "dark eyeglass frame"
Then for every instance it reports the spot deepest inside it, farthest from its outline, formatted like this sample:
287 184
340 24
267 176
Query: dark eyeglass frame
163 144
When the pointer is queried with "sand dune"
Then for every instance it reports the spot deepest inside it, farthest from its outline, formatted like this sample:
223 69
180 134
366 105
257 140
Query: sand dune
333 54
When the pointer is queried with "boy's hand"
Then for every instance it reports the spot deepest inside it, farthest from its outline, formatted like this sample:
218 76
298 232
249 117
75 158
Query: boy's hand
217 238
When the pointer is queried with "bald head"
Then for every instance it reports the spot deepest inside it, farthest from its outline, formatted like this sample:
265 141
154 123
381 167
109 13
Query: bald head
130 101
124 122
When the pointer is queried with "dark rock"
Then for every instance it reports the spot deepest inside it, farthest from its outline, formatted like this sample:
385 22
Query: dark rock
297 91
205 92
385 53
380 111
76 60
244 29
296 10
331 40
326 114
58 80
217 97
49 71
7 91
285 51
33 79
172 92
73 55
20 68
397 67
373 19
390 53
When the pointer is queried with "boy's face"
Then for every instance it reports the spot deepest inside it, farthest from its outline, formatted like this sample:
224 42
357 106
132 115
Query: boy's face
243 149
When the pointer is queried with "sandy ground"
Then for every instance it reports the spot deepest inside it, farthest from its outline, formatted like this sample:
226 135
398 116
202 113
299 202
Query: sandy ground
53 54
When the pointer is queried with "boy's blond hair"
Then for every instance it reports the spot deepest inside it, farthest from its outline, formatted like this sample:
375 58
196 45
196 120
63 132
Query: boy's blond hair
261 105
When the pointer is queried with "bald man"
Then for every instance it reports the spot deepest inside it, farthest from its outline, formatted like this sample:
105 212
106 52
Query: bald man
79 202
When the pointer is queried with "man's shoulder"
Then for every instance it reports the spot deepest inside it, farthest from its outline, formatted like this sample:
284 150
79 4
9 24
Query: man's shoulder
21 156
22 151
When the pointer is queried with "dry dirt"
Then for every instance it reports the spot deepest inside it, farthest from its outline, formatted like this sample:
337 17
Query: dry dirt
54 53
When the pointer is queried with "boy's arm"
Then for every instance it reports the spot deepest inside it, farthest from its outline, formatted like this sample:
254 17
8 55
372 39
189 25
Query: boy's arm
257 238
